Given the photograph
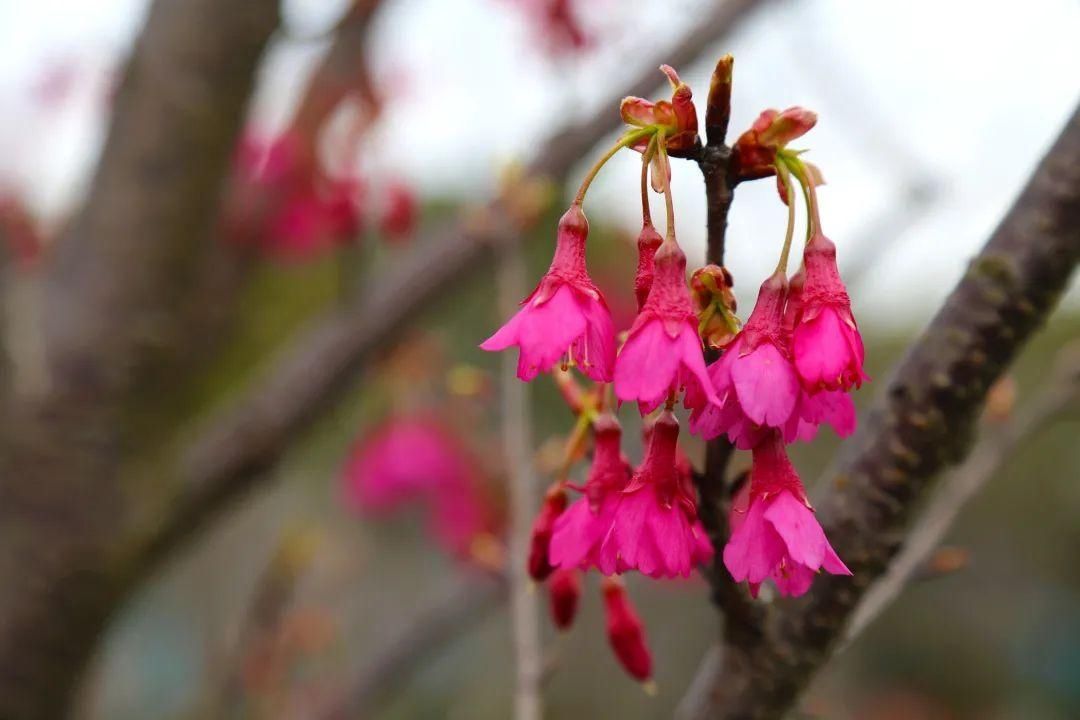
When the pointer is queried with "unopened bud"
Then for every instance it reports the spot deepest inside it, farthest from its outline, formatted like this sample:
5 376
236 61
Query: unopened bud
564 590
715 302
539 560
625 632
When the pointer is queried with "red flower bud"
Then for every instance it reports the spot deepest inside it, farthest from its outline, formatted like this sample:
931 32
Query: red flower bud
625 631
539 561
397 219
564 589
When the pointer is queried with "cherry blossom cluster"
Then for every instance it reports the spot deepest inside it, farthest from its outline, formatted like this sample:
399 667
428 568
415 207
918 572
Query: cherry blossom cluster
774 381
287 204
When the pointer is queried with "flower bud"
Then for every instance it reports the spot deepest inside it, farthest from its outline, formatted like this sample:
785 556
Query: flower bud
564 590
711 289
539 561
625 631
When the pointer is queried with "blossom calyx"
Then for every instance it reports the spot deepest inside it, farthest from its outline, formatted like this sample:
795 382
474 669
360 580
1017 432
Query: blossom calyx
754 154
710 287
677 118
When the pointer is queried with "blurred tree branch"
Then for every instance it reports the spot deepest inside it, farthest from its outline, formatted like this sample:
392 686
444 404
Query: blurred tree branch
921 423
392 663
1057 395
111 293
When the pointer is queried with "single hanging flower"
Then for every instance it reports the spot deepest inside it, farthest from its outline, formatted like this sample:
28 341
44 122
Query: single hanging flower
774 531
663 353
417 461
406 459
626 632
580 530
565 315
755 378
815 407
827 345
655 529
564 591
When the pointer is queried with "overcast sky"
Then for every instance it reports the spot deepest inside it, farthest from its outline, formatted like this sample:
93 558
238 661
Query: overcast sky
910 95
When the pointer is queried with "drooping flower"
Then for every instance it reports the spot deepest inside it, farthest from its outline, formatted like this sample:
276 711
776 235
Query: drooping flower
774 532
626 632
580 530
417 460
827 345
540 566
564 591
654 527
284 203
565 315
405 459
755 378
663 353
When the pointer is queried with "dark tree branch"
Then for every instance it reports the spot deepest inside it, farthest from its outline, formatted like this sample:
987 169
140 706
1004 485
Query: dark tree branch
993 450
112 290
922 423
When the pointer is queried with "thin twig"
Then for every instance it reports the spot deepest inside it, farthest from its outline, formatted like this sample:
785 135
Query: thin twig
521 479
982 465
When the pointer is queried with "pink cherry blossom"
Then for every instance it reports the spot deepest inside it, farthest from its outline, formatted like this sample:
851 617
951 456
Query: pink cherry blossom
755 378
826 342
417 460
654 528
565 316
284 203
580 530
774 532
406 458
663 352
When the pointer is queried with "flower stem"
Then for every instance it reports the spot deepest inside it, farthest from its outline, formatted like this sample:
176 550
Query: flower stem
646 158
798 168
665 182
625 141
782 172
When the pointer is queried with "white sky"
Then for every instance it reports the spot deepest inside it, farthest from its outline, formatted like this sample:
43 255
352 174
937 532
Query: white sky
909 93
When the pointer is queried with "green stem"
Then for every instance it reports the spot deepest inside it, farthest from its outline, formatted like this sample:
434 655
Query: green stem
625 141
782 172
669 203
646 157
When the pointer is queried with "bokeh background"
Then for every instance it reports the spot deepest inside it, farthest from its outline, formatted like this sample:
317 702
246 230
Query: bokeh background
932 116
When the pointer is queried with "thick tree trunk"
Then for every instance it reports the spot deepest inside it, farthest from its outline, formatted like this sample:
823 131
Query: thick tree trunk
112 292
